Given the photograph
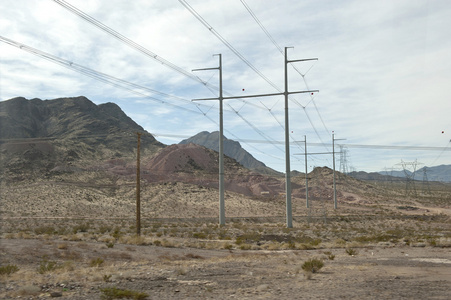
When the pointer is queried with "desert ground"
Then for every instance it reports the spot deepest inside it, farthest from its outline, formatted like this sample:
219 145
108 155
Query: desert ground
79 241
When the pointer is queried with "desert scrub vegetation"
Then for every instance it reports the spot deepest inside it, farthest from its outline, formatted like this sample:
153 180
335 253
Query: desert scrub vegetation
8 269
329 255
110 293
312 265
351 251
47 266
96 262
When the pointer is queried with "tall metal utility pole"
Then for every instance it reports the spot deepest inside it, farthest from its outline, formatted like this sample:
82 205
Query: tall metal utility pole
333 158
289 217
287 150
221 143
306 173
138 187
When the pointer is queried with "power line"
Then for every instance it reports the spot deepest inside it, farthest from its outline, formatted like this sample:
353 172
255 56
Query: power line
254 16
111 80
116 82
129 42
147 52
132 44
239 55
247 141
225 42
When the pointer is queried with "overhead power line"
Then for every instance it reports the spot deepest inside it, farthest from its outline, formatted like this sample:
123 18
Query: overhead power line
136 46
249 141
254 16
130 43
239 55
111 80
119 83
225 42
149 53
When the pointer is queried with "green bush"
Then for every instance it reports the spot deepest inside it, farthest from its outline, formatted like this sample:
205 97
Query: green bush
47 266
312 265
351 251
96 262
8 269
329 254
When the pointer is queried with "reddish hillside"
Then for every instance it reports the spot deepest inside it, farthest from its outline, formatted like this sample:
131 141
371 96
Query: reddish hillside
196 164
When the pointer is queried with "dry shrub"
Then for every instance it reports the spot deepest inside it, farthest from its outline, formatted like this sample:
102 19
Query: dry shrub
134 240
96 262
116 293
351 251
119 256
29 290
8 269
272 246
62 246
312 265
193 256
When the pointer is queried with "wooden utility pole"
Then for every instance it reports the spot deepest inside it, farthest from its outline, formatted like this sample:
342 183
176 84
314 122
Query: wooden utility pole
138 187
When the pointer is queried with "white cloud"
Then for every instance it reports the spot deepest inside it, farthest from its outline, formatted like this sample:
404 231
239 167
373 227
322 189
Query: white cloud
383 68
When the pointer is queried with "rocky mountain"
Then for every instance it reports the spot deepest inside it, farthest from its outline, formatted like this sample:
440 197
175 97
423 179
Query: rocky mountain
41 135
232 149
65 118
198 165
75 140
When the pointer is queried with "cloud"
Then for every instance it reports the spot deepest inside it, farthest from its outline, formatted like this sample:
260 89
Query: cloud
383 68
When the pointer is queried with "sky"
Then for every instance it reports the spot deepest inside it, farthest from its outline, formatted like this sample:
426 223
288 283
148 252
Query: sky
382 72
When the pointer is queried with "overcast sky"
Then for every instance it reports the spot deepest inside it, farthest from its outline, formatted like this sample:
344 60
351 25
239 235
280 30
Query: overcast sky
383 71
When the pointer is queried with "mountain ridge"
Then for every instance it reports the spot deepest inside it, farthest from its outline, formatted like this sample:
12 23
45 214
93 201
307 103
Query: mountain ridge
37 136
232 149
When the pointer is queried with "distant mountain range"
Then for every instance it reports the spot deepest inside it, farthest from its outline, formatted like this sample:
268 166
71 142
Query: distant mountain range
47 134
75 140
440 173
436 173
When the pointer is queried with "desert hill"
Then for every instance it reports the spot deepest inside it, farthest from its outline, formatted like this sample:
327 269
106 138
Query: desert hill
232 149
68 224
195 164
37 136
70 155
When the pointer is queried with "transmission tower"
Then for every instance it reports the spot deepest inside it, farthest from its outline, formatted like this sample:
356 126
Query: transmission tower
343 160
426 187
409 169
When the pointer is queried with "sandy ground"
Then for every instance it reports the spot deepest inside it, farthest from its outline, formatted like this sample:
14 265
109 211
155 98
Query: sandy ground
377 272
72 241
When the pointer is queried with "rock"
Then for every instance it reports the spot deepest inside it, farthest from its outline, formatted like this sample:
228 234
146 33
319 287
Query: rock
56 294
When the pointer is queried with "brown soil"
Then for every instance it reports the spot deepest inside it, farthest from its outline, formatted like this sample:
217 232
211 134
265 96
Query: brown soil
380 272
